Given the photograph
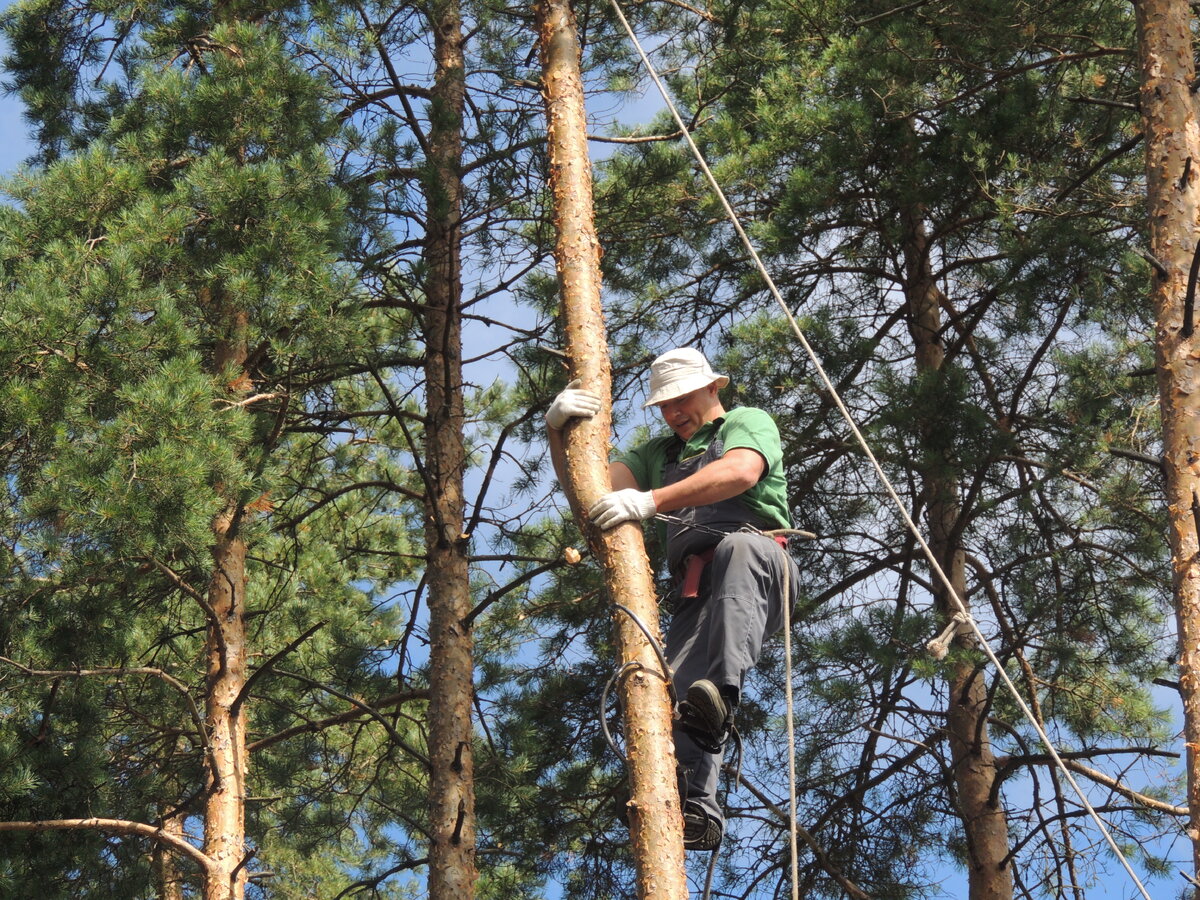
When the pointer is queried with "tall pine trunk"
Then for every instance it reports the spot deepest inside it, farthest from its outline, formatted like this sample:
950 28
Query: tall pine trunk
168 878
984 822
169 883
1172 167
654 813
226 648
452 868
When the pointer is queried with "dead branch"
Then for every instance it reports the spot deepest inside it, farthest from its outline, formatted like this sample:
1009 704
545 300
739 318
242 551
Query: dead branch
852 890
341 718
366 710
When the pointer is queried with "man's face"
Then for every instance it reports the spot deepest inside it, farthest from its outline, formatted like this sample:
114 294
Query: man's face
684 415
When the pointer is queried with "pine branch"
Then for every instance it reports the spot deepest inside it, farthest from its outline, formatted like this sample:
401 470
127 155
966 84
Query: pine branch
266 667
495 595
341 718
1154 261
1128 793
493 462
397 83
1138 457
373 883
1071 761
177 580
257 398
907 7
430 486
362 99
635 139
118 827
1098 165
175 683
702 13
358 486
852 890
375 714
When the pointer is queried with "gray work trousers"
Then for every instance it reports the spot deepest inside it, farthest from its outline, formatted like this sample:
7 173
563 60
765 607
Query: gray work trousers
719 636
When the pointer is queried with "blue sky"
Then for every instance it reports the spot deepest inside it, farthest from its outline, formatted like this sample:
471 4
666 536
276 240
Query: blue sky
15 146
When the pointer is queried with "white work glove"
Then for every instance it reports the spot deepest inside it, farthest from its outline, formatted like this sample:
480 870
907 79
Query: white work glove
572 403
622 506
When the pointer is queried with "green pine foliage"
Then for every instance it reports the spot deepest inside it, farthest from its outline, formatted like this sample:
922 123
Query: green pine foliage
210 190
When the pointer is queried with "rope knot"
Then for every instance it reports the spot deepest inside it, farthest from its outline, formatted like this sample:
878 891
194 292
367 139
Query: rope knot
940 645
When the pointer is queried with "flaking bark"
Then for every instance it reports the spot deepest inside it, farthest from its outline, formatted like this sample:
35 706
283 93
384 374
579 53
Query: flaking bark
654 812
1172 169
226 649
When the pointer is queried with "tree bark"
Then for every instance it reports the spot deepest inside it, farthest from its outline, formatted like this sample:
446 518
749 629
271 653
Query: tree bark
167 877
225 646
974 766
452 866
654 810
225 802
1172 159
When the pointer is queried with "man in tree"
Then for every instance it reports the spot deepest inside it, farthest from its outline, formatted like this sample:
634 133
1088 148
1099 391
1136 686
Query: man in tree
720 475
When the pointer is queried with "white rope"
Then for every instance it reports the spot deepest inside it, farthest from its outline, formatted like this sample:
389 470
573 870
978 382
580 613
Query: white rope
862 443
791 725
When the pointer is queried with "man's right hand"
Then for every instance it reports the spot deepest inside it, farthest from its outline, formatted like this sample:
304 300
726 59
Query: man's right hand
573 402
628 505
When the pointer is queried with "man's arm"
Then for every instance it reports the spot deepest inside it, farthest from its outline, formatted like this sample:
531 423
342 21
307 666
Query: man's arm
621 477
733 474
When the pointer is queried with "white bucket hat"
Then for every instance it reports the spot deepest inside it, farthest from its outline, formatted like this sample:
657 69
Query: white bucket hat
679 372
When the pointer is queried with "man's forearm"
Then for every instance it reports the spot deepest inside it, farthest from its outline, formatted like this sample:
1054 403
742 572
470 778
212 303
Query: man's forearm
733 474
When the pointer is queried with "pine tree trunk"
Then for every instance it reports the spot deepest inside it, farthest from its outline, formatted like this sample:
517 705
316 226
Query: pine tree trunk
654 813
1172 162
167 876
452 869
225 718
225 643
984 822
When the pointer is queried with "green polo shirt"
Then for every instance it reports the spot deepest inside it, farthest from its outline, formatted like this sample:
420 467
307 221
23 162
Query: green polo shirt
744 427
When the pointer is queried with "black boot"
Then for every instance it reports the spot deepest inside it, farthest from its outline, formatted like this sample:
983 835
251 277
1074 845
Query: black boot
706 716
700 830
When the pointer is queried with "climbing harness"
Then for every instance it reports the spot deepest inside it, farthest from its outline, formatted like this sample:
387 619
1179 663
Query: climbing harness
694 565
690 586
968 622
705 529
780 536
